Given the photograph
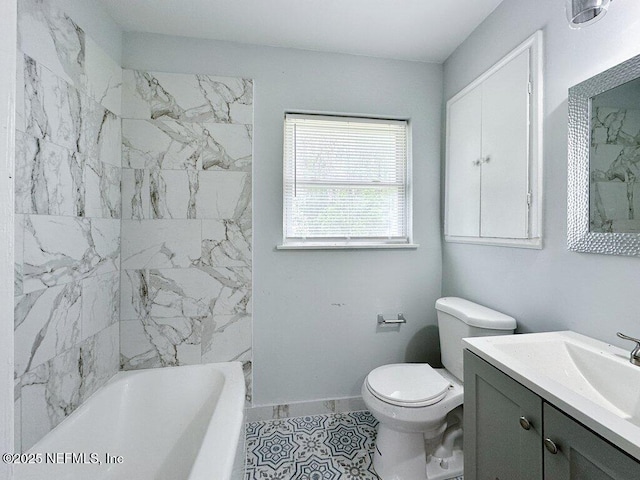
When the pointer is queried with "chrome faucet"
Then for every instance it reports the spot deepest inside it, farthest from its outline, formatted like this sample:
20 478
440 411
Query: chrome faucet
635 353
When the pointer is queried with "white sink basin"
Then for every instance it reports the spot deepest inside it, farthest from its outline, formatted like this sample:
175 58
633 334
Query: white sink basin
590 380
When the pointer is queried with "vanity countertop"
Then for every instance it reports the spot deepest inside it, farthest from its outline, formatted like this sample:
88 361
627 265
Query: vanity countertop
590 380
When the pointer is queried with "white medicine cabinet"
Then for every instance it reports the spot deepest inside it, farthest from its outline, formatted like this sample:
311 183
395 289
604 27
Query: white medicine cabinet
493 187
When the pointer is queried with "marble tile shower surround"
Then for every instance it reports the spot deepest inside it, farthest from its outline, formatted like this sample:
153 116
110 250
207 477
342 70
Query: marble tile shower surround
186 228
187 98
50 36
68 209
68 155
133 229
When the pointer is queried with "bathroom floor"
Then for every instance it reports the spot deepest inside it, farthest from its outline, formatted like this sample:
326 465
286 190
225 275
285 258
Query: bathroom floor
316 447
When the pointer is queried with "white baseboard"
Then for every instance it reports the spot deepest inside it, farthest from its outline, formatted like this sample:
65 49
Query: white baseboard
300 409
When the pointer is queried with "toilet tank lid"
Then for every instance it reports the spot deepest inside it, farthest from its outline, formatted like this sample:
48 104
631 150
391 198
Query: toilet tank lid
475 315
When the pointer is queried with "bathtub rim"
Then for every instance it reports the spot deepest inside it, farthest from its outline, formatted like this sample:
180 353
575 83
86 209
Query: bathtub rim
225 424
228 417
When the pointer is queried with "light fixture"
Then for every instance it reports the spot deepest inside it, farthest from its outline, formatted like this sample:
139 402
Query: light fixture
581 13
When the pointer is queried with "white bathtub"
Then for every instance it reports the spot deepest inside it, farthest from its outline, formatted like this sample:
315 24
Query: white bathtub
167 424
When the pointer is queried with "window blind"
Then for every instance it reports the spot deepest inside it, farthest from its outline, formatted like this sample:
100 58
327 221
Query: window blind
345 180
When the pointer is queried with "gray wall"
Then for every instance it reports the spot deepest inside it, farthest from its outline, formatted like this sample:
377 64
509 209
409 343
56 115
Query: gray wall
553 288
315 312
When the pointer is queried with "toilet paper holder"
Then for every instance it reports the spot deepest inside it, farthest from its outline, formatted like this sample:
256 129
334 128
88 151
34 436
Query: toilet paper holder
391 321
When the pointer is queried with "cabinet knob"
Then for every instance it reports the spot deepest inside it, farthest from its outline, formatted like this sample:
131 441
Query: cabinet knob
524 423
549 445
476 162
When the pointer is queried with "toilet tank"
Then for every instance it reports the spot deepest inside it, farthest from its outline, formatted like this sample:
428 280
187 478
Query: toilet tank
459 318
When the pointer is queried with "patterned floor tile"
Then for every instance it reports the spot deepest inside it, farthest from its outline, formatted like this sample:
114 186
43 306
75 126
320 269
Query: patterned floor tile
346 440
310 423
315 447
316 468
274 450
312 443
364 418
359 468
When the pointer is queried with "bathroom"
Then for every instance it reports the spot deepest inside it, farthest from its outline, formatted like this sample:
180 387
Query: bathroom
302 322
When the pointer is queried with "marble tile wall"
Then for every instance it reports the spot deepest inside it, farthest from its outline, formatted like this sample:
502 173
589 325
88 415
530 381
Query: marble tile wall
186 220
133 227
68 209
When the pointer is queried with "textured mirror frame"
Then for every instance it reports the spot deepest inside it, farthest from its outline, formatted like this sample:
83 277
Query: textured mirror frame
579 236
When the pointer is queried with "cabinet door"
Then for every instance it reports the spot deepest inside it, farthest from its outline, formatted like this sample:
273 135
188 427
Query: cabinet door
496 445
582 455
463 169
505 151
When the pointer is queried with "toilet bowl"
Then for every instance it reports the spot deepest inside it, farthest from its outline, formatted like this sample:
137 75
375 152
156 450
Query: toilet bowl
411 403
419 406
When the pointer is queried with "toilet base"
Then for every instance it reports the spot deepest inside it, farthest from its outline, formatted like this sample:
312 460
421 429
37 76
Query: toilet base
399 455
402 456
445 468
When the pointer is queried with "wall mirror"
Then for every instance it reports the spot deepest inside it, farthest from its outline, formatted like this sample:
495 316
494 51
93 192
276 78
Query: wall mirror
604 162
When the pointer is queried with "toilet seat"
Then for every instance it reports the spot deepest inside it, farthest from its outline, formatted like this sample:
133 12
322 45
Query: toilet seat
407 384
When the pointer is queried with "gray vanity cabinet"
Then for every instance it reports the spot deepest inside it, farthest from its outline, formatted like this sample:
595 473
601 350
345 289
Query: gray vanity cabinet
510 433
581 453
502 425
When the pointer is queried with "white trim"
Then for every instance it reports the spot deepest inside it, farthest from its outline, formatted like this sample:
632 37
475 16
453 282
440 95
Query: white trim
355 115
343 118
8 42
528 43
284 179
535 175
289 243
409 185
531 243
537 137
327 406
348 246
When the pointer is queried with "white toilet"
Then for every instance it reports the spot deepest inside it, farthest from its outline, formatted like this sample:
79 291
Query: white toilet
419 408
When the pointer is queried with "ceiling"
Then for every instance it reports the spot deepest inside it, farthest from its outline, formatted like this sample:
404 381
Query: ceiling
419 30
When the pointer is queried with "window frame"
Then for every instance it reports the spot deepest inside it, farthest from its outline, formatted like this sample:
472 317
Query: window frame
326 243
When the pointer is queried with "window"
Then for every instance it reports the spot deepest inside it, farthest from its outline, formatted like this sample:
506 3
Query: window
346 182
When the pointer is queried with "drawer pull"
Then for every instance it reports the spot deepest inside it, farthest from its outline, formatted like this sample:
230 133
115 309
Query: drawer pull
550 446
524 423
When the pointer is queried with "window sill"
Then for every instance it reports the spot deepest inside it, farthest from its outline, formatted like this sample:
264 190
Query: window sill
349 246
